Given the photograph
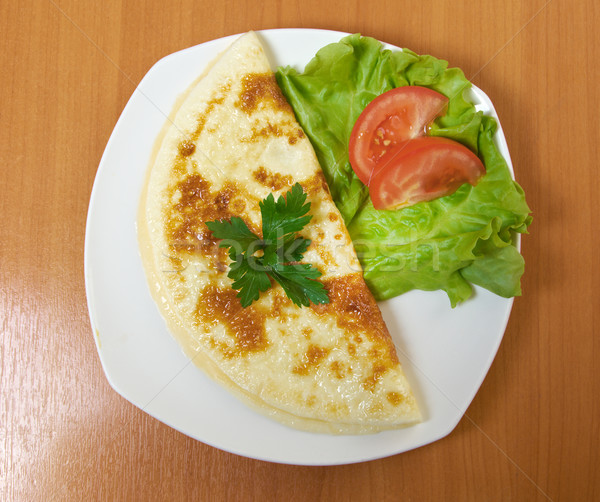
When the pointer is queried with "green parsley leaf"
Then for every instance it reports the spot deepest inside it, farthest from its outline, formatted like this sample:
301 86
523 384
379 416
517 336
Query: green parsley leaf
276 256
286 215
232 232
297 280
249 280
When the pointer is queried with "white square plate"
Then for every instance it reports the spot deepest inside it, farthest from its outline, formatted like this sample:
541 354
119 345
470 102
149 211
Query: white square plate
445 352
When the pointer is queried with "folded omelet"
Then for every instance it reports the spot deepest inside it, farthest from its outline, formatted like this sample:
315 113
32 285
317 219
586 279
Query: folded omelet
230 142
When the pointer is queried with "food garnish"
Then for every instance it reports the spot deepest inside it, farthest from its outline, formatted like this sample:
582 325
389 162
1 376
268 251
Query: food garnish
389 152
451 243
422 169
277 255
388 121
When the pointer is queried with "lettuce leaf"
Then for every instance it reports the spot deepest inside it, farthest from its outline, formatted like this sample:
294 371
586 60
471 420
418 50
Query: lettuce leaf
450 243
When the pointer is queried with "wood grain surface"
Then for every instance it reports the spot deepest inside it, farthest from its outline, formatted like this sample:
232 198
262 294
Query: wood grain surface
67 69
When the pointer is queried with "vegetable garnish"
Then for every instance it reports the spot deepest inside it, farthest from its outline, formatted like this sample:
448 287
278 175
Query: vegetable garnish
450 243
388 121
391 154
277 255
423 169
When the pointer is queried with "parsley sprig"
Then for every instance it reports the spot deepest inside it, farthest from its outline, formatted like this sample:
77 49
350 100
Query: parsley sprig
277 255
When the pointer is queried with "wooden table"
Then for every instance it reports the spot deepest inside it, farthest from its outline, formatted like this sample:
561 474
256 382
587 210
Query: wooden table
67 69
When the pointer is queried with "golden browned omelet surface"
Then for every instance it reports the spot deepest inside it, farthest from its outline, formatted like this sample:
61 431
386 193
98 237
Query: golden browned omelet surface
232 140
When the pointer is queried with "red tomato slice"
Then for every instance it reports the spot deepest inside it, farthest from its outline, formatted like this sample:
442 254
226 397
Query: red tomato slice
423 169
391 118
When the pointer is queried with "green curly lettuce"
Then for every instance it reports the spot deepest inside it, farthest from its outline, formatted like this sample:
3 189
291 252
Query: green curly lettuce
449 243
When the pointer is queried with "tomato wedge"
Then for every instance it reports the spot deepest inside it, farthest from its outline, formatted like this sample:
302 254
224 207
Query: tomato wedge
423 169
390 119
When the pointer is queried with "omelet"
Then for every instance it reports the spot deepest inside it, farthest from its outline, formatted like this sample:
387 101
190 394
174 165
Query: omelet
232 140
